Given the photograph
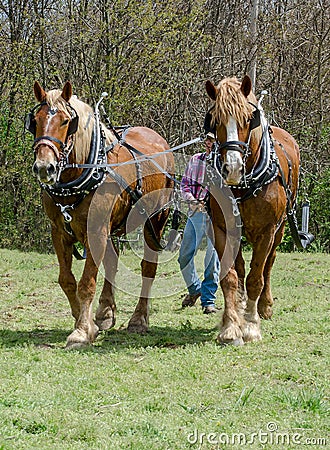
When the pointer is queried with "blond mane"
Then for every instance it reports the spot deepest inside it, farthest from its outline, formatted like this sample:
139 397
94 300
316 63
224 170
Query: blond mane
83 136
231 101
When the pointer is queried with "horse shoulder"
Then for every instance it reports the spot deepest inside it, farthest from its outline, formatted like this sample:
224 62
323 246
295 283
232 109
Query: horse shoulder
284 138
286 147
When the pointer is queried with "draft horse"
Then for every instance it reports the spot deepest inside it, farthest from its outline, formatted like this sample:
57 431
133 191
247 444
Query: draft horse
260 165
88 202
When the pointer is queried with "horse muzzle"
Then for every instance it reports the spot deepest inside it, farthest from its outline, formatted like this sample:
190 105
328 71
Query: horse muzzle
47 156
46 172
232 167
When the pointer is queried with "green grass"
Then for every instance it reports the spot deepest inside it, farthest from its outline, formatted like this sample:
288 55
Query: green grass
165 389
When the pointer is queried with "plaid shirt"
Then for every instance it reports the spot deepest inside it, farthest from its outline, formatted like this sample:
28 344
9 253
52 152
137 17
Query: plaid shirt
192 183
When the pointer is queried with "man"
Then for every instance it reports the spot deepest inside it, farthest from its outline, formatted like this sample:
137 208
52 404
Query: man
198 225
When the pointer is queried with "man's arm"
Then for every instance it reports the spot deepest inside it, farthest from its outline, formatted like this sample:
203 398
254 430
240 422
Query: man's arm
187 184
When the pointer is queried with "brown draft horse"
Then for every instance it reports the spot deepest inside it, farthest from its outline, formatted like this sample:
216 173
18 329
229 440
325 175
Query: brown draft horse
260 164
64 129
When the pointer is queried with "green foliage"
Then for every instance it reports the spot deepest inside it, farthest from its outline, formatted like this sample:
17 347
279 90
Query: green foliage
307 400
23 223
153 58
320 210
287 244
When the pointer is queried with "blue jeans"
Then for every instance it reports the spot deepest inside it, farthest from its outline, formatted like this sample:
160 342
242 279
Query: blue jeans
196 228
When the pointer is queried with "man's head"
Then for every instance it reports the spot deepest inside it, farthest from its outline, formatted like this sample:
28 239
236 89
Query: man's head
209 140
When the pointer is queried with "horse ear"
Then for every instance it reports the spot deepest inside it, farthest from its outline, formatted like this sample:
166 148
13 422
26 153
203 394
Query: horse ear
67 91
246 86
211 90
39 92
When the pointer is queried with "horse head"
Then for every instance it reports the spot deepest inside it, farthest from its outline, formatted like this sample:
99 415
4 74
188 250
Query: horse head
52 122
236 124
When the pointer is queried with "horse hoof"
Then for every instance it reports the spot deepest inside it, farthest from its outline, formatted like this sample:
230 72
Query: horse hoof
251 332
265 313
230 334
80 339
76 345
265 309
138 324
139 328
234 342
105 324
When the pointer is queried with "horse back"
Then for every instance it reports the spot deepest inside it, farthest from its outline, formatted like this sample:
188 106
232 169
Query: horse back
148 142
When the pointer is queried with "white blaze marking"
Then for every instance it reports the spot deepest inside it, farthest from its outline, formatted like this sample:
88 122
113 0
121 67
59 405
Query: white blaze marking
50 117
233 158
231 127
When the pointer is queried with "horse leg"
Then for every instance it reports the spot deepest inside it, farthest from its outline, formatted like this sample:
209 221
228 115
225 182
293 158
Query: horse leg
86 330
230 332
266 301
139 322
66 278
105 316
254 286
240 270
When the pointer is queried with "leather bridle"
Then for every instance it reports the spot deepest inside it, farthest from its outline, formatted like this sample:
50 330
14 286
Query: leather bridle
64 150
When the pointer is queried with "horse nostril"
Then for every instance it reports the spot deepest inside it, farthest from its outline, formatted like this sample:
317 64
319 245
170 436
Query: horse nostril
225 170
51 169
35 169
44 172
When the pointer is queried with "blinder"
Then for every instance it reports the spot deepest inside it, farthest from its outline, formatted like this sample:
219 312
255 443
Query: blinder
208 128
255 119
30 123
73 126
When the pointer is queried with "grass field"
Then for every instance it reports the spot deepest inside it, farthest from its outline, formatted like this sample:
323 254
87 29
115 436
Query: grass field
173 388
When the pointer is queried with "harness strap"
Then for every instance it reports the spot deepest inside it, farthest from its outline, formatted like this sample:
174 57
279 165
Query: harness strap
67 222
121 140
49 141
90 178
123 183
134 152
135 200
235 145
300 239
64 209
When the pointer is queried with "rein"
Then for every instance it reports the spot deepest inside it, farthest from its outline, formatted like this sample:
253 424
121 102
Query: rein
142 158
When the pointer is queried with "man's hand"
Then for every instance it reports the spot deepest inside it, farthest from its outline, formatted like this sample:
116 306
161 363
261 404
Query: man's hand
196 205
